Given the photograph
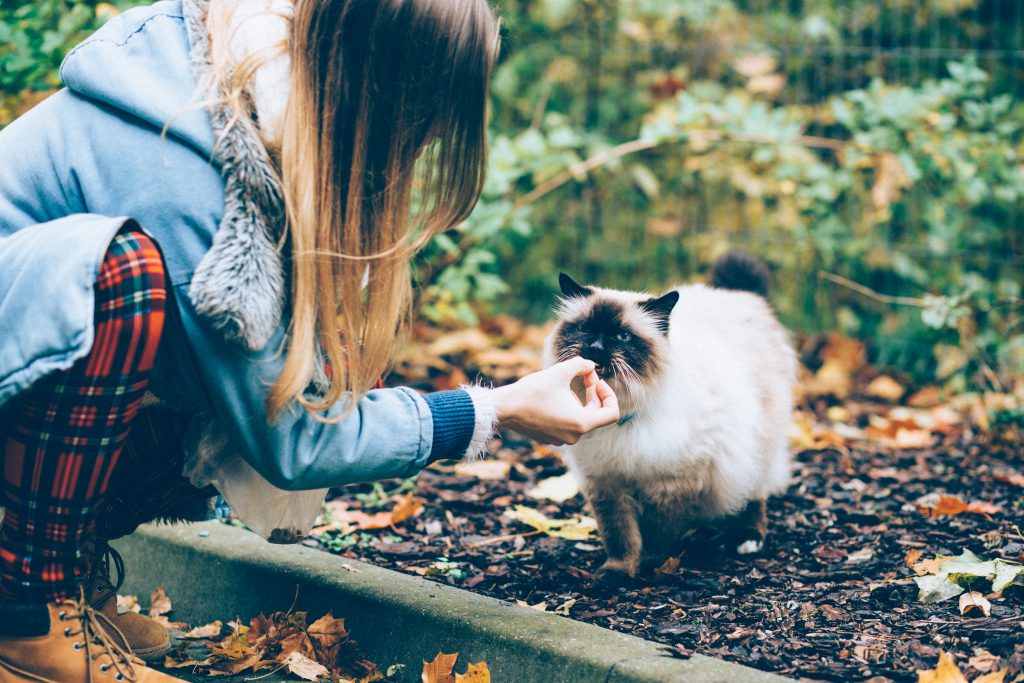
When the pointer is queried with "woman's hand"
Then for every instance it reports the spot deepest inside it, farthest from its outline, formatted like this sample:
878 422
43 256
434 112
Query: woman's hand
544 406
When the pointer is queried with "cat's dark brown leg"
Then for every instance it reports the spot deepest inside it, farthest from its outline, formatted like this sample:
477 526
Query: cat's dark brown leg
616 515
748 529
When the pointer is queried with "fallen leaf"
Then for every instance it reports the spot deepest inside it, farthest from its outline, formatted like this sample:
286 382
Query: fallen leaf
994 677
159 603
974 604
668 567
581 528
476 673
211 630
982 508
983 662
540 606
440 670
935 504
304 667
1010 478
564 608
558 489
406 506
912 557
491 470
945 672
885 388
128 603
755 65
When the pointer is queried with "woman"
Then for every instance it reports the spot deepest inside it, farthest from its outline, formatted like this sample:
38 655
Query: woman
246 178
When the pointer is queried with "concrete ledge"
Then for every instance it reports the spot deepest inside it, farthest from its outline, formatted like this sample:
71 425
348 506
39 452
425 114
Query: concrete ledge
229 572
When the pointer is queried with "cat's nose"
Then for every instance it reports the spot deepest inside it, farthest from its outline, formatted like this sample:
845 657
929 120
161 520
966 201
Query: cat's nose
597 345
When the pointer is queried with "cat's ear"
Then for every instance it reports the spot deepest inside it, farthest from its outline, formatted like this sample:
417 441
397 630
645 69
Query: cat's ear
571 289
661 308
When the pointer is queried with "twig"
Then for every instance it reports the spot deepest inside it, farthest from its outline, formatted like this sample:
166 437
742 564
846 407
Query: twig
605 156
499 539
870 293
580 168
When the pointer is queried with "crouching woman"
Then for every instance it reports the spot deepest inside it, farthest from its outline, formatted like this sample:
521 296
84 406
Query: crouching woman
184 229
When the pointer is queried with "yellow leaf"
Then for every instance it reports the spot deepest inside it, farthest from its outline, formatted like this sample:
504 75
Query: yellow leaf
209 631
945 672
476 673
159 603
994 677
576 529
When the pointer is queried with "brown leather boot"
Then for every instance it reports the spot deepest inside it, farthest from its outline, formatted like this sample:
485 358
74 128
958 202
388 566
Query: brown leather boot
66 642
146 638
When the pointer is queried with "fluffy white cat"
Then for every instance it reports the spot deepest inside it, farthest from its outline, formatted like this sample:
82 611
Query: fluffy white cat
704 376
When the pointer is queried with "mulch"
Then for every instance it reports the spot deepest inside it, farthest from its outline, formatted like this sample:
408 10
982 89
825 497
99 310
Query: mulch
829 598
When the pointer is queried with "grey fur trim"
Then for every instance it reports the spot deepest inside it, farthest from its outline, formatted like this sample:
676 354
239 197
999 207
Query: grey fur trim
239 285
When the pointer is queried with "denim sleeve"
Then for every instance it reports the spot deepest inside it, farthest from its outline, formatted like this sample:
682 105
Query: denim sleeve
389 433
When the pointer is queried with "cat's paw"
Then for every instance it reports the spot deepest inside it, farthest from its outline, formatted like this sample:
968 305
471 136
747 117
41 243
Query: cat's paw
614 574
750 547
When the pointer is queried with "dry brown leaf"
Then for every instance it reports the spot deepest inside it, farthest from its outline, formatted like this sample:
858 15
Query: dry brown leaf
211 630
159 603
932 566
994 677
885 388
468 340
934 505
406 506
668 567
911 558
476 673
890 180
755 65
491 470
440 670
540 606
1010 478
128 603
304 667
974 604
945 672
983 508
983 662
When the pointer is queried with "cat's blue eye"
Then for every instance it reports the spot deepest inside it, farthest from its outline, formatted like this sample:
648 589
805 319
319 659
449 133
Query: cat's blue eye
623 336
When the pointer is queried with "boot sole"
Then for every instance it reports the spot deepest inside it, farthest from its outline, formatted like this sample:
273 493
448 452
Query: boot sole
151 654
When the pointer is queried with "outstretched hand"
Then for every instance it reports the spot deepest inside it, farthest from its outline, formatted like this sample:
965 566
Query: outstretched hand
544 406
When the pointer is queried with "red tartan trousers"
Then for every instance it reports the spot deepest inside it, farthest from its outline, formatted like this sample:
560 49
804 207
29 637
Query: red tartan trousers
62 438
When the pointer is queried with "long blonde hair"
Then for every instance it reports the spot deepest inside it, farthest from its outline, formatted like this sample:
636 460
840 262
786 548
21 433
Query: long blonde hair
387 110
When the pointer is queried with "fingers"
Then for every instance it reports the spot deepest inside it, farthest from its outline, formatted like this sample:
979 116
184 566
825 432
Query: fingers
607 410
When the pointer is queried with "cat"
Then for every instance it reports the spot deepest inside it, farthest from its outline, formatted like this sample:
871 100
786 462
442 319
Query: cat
704 376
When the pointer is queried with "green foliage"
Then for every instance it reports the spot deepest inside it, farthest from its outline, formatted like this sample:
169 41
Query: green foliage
34 38
907 184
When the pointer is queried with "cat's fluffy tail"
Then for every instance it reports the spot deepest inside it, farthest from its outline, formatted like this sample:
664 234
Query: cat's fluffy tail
742 271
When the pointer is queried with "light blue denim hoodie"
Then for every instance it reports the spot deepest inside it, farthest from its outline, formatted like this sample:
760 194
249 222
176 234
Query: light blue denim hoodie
92 159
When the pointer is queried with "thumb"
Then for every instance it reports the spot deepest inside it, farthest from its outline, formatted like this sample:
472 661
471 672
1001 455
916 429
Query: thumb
607 411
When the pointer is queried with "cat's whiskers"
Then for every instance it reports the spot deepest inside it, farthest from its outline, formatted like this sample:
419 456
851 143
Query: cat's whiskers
629 378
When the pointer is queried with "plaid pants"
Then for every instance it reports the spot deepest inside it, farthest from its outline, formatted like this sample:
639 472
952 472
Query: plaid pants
64 435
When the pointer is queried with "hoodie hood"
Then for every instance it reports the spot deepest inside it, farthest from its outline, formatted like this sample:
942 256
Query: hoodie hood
153 63
139 63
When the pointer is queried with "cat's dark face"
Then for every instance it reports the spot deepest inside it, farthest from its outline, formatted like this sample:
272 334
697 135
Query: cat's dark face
624 336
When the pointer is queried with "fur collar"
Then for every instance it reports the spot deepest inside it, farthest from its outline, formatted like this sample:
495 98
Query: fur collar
239 285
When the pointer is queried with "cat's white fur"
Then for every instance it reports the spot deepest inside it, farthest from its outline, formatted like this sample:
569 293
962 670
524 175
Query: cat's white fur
710 430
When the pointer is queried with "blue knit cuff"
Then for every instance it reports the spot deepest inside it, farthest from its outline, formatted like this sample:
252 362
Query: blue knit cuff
454 420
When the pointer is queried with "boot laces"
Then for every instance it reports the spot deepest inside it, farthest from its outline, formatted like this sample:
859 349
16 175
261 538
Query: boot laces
97 642
103 584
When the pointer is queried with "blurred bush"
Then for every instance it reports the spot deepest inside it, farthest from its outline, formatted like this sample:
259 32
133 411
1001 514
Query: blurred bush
869 151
